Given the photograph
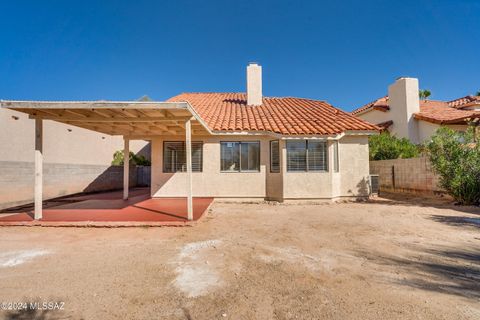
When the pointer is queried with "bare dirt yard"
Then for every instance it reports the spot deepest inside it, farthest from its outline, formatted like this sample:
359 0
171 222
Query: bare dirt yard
386 259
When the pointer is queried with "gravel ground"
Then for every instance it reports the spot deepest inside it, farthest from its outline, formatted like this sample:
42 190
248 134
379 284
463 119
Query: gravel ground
385 259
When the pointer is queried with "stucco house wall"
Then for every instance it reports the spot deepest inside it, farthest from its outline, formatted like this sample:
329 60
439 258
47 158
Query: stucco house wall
427 129
350 181
62 143
375 116
211 181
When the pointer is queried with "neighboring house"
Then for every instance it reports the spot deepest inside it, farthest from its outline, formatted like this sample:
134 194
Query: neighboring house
402 113
243 145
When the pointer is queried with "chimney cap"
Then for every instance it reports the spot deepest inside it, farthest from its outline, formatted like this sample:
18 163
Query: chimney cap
252 62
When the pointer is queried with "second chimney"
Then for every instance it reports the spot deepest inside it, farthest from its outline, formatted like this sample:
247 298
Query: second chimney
404 103
254 84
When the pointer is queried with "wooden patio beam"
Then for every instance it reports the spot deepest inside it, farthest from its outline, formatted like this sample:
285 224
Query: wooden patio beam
110 119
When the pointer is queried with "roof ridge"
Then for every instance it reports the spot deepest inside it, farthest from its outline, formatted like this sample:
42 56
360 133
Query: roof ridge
266 97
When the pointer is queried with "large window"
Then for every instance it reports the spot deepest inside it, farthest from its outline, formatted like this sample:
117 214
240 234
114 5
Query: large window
307 155
175 156
274 156
240 156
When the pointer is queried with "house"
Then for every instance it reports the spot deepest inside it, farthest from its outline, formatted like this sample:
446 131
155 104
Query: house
403 114
234 146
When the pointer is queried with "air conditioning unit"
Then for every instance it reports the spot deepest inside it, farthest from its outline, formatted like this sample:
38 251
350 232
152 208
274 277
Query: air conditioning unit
374 184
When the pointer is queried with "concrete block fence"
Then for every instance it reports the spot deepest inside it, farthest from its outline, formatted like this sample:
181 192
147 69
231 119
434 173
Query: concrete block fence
17 180
413 175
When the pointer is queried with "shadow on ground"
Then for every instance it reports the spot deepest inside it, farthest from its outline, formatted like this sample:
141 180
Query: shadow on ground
457 221
35 314
448 271
438 202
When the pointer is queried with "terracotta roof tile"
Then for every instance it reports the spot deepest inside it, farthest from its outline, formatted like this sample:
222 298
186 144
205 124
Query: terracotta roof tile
437 113
464 102
380 104
385 125
288 116
433 110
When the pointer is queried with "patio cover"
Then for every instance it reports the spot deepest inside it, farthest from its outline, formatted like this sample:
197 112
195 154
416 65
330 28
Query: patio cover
130 119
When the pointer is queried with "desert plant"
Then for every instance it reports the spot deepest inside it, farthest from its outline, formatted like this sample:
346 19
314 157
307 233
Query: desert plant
134 159
386 146
455 157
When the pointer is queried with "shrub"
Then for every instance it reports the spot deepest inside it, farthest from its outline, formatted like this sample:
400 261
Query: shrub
455 157
385 147
138 160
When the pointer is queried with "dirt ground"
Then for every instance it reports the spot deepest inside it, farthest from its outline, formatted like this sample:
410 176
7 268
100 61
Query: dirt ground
394 258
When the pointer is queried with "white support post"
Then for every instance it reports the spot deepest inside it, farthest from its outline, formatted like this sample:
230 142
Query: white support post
126 167
188 143
38 198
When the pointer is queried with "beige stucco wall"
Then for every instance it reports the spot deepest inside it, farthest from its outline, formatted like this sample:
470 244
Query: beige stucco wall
354 166
350 181
210 182
427 129
376 116
78 146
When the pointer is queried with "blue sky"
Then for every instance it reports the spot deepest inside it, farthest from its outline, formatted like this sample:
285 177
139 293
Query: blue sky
344 52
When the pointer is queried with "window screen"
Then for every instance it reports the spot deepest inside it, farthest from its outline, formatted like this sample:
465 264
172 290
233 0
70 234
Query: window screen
175 159
307 155
274 156
240 156
317 155
296 155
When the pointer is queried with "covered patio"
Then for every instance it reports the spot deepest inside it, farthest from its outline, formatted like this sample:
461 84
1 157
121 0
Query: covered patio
134 120
109 209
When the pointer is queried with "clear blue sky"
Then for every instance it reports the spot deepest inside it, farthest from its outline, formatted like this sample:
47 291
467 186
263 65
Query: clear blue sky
345 52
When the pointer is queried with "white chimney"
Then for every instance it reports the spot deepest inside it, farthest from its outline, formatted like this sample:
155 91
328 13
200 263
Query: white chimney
254 84
404 102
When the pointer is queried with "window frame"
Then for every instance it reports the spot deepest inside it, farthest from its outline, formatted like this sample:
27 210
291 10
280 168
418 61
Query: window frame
271 158
307 167
336 156
184 143
240 157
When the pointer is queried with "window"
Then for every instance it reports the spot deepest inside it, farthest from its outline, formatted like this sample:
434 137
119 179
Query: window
274 156
240 156
175 160
335 156
307 155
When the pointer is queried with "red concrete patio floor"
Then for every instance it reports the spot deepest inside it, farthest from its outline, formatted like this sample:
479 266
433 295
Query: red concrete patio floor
108 209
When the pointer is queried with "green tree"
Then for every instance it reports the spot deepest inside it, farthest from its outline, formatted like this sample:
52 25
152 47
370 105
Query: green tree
455 157
138 160
386 146
478 93
424 94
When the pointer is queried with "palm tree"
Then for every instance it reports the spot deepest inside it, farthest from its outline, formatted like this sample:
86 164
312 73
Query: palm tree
424 94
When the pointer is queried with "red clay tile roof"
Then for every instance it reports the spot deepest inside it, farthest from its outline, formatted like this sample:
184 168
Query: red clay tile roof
380 104
464 102
437 113
288 116
384 125
433 110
